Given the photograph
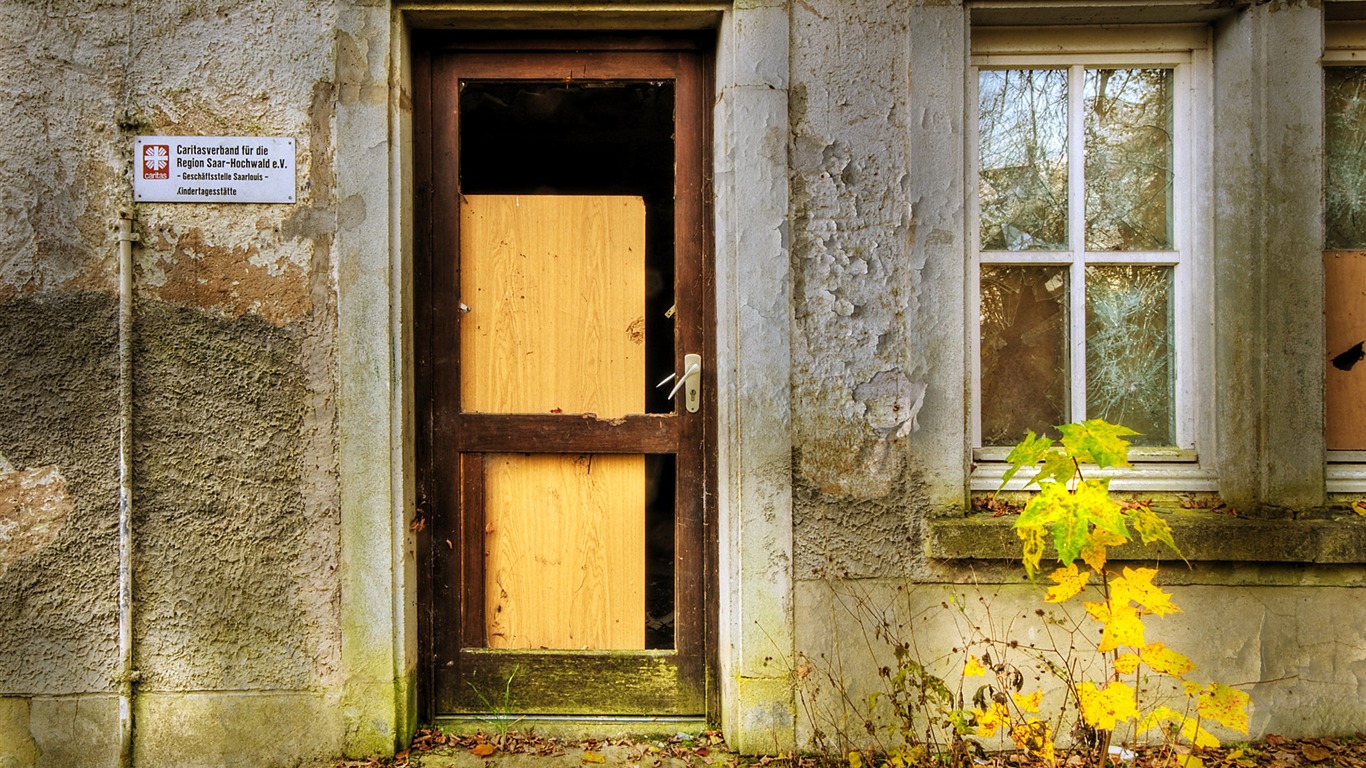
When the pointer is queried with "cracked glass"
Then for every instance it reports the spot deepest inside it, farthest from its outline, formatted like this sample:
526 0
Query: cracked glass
1345 157
1128 115
1128 350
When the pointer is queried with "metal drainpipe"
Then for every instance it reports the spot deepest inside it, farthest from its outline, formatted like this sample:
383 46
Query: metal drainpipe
127 673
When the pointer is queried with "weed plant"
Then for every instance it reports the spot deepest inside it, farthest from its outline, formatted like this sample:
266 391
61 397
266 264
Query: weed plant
988 690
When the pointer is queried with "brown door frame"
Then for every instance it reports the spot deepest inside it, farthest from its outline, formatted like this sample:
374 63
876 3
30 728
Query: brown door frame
450 542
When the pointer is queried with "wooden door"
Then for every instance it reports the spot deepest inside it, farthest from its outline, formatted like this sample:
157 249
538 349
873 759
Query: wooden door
563 272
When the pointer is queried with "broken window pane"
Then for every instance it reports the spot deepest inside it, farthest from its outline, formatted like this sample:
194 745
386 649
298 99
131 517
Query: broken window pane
1129 350
1024 351
1345 156
1128 159
1022 132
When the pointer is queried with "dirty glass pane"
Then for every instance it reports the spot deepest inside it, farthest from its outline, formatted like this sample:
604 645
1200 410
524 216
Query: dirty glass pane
661 477
1129 350
1128 159
1022 139
1345 156
1024 351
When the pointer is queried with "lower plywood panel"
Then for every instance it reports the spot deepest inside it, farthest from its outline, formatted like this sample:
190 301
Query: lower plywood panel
565 551
1345 376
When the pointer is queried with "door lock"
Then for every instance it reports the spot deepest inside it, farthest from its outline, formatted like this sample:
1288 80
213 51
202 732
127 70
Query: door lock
690 382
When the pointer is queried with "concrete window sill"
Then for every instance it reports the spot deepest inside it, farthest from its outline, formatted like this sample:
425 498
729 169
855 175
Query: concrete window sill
1202 536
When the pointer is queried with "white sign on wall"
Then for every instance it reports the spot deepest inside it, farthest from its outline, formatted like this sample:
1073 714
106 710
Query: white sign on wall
213 169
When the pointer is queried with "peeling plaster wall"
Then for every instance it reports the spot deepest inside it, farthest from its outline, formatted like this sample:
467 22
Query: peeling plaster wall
236 491
856 391
878 263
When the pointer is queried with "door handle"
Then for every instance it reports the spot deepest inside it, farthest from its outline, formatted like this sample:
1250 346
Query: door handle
690 382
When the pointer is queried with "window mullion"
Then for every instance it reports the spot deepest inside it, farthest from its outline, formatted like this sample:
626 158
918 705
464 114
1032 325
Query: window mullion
1076 240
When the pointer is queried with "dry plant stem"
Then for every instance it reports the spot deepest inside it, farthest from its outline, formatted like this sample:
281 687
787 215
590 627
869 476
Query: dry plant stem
1104 748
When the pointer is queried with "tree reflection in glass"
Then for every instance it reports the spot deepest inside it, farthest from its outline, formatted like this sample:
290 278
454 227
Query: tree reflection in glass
1128 159
1022 135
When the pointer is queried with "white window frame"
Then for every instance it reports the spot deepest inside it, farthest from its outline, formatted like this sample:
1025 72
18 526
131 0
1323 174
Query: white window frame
1185 49
1344 45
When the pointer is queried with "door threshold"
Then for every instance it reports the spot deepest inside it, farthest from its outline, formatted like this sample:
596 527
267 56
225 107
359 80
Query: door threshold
576 726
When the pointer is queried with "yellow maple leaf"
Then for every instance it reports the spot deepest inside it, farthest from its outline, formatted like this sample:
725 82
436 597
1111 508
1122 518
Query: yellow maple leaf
1097 545
1197 735
1032 537
1035 739
1359 507
1190 761
989 721
1070 582
1136 585
1028 703
1157 717
1165 660
1098 611
973 667
1126 664
1104 708
1120 625
1224 705
1189 728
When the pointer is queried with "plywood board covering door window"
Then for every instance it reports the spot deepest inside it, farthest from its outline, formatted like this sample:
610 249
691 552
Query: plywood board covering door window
1345 385
554 287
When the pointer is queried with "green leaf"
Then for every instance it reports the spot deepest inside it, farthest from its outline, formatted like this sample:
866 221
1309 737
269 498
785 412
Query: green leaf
1033 538
1104 512
1070 532
1027 452
1069 516
1058 467
1096 441
1042 510
1151 527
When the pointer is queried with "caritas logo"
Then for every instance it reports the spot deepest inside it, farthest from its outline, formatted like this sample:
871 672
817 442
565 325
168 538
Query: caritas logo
156 161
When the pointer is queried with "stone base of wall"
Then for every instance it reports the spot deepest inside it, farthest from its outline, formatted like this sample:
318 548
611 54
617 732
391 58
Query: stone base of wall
1297 650
184 730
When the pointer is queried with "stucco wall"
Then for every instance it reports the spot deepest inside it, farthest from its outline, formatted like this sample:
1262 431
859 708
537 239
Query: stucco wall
878 266
236 492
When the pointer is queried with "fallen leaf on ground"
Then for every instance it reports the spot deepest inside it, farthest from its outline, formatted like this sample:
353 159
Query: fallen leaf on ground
593 757
1314 753
483 750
